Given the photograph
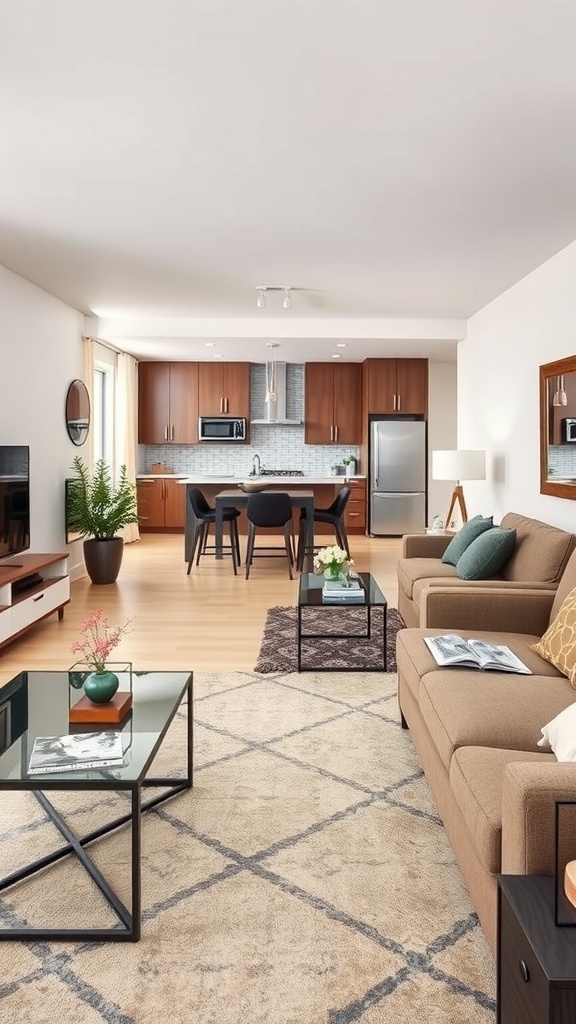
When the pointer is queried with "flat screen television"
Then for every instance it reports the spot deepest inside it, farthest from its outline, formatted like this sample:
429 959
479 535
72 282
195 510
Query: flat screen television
14 499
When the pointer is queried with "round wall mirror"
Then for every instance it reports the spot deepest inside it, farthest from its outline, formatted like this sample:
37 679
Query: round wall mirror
77 412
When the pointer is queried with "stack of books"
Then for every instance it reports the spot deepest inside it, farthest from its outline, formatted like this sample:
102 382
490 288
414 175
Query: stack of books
340 593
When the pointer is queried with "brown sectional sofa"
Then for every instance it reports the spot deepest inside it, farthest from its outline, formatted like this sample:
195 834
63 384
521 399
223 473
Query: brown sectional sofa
539 560
476 734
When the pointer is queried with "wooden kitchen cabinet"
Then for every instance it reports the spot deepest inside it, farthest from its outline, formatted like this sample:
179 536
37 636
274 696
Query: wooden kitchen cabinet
395 386
224 389
332 403
161 503
355 513
167 403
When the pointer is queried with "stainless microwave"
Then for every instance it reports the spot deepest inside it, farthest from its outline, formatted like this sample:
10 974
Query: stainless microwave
569 426
222 428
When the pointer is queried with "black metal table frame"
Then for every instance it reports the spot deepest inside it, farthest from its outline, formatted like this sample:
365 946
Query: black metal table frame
130 920
366 635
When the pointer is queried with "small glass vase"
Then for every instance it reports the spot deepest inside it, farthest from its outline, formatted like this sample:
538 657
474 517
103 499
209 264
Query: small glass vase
336 574
100 687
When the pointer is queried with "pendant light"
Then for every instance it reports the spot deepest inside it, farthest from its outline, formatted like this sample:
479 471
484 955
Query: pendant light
560 397
271 381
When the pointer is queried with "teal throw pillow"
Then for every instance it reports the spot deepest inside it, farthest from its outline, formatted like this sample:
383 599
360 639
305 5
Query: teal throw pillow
487 555
472 529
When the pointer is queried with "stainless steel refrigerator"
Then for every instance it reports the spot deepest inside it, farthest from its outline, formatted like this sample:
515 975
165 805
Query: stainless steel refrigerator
397 480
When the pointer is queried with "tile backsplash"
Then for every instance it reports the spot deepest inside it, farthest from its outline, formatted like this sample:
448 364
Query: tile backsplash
279 446
562 460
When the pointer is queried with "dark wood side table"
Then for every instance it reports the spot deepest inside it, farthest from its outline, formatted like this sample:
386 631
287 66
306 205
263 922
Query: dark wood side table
536 974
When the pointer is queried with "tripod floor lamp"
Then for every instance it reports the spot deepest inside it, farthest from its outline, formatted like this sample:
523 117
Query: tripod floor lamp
458 465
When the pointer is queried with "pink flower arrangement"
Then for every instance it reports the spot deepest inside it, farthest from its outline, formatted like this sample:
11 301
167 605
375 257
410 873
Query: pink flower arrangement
98 640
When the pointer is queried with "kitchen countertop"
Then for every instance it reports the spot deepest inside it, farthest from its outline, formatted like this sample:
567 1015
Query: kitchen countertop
231 480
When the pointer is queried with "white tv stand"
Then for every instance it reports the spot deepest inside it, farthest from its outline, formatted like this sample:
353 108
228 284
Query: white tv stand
22 606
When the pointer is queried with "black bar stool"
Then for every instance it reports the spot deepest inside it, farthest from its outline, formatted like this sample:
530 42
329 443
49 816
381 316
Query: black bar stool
334 515
271 508
204 516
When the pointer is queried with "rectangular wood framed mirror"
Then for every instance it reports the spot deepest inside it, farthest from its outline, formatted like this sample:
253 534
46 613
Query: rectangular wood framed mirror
558 428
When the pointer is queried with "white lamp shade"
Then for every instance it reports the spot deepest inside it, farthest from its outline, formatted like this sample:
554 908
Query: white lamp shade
459 465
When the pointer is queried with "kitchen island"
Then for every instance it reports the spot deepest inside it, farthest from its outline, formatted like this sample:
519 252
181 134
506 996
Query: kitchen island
324 491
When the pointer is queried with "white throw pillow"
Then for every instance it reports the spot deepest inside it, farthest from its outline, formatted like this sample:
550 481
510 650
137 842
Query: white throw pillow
560 734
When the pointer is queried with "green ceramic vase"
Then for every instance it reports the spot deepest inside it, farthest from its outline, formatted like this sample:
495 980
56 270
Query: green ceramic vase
100 687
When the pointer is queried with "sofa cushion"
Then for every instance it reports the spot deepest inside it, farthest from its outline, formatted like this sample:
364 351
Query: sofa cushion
469 531
476 780
412 569
560 734
487 555
467 707
416 661
541 551
558 645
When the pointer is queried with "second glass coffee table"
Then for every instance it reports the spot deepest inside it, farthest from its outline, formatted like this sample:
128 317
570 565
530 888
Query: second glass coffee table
37 704
357 628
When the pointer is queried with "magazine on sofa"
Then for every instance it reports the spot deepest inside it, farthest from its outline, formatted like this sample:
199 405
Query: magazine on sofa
450 649
77 752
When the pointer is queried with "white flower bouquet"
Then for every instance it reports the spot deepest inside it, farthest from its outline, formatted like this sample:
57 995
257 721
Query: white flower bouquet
333 562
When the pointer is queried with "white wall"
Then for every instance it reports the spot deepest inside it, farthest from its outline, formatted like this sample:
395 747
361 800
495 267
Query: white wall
41 344
498 388
442 429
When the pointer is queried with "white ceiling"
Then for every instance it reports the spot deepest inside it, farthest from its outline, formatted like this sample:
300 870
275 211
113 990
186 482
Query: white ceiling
392 161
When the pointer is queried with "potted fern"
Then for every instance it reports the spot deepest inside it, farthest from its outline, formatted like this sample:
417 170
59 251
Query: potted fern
97 509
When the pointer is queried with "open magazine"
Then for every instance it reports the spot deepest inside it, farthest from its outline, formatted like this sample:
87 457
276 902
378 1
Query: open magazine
450 649
77 752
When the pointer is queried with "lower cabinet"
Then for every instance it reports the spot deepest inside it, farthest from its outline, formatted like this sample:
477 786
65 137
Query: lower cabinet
536 979
161 504
32 590
355 514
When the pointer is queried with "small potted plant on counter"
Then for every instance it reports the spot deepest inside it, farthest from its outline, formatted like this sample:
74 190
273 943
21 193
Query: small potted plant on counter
98 509
350 463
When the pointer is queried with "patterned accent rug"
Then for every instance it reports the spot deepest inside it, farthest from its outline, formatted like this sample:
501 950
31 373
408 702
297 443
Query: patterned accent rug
278 652
306 879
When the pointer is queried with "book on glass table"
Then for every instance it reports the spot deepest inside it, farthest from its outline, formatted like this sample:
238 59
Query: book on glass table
338 592
76 752
450 649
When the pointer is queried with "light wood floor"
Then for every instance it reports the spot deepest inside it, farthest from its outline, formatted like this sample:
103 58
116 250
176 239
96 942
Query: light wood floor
208 621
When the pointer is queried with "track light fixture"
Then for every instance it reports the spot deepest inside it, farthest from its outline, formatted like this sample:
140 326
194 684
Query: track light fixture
263 289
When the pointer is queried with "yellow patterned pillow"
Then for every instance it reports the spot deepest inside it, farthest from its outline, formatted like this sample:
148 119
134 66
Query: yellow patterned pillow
558 645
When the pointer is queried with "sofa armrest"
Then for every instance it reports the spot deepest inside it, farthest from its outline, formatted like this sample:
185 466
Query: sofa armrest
529 792
425 545
504 608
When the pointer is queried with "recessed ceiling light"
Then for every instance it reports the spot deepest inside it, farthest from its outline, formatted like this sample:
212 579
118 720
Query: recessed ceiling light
335 355
217 355
208 344
341 344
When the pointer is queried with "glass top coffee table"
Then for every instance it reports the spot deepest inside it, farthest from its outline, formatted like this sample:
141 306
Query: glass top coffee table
355 617
37 704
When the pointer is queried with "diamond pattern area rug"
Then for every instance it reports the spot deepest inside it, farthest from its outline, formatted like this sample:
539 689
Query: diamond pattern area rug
305 879
278 650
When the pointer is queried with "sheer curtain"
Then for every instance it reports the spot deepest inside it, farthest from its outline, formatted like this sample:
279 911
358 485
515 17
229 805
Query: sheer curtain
125 426
89 361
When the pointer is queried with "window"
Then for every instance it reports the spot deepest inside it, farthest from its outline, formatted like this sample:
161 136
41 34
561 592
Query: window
103 413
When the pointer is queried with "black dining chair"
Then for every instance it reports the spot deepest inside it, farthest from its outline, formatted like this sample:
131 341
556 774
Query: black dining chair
204 517
334 516
271 508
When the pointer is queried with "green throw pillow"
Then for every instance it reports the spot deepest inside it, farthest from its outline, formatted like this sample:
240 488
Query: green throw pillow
466 534
487 555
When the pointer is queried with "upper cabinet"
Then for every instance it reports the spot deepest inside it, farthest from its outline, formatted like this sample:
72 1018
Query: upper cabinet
332 403
395 385
224 389
167 403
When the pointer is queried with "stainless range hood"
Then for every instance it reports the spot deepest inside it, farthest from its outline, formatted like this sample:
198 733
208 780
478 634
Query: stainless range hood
276 409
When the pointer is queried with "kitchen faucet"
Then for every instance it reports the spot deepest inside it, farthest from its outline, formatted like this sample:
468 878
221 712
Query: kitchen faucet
256 470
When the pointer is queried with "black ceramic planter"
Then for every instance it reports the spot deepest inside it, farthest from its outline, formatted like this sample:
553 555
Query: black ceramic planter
103 559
